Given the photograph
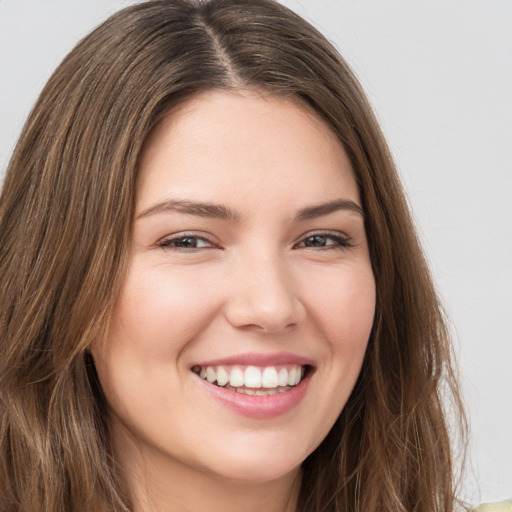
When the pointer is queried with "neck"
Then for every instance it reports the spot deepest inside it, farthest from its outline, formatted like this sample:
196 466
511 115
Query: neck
168 494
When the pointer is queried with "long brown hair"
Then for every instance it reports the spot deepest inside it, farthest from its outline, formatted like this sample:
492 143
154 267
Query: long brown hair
65 219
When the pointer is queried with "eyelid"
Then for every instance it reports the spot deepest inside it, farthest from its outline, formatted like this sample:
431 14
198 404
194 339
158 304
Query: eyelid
344 240
166 242
341 239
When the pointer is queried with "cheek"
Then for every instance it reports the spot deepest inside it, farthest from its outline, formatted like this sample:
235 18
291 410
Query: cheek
157 314
343 305
159 311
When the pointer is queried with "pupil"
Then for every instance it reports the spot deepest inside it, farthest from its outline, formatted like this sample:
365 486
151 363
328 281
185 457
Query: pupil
187 242
315 241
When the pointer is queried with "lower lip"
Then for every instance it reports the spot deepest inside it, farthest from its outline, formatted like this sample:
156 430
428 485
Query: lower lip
259 407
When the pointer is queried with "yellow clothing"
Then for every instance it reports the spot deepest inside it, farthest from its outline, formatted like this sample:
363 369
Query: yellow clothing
502 506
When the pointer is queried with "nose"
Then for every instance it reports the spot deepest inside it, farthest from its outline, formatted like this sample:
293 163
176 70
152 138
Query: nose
263 295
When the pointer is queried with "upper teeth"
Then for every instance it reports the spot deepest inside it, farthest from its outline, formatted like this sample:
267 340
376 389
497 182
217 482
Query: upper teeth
252 376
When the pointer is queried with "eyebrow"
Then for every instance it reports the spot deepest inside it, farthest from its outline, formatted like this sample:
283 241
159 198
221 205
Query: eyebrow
209 210
312 212
217 211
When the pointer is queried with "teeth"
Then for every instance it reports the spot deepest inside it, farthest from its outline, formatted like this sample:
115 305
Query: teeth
282 378
246 391
291 376
222 376
236 378
211 374
261 392
269 379
253 378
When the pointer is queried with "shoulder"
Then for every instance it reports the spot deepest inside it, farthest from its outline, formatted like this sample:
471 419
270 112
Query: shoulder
502 506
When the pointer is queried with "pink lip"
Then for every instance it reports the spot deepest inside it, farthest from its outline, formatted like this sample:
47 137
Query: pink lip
279 358
258 407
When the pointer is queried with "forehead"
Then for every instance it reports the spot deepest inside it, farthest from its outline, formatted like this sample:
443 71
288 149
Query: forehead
245 143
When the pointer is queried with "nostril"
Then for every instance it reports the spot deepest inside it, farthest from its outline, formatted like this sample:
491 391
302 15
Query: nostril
265 317
263 297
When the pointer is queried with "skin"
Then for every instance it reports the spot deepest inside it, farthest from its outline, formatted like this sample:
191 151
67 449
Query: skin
258 283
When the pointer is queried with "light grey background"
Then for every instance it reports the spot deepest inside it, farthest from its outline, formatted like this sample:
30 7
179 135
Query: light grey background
439 74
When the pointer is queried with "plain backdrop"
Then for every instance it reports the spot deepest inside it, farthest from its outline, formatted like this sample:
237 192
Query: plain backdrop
439 75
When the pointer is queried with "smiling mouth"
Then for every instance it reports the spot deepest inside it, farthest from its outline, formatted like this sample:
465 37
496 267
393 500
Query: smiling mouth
253 380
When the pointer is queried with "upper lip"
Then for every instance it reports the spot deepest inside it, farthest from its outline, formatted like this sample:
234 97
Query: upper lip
257 359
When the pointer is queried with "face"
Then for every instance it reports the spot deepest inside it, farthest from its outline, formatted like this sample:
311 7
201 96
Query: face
246 308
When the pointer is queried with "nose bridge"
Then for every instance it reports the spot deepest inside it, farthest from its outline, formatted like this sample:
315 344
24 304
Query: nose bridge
263 294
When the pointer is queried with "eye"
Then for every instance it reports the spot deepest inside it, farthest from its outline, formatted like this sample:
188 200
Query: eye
325 241
185 242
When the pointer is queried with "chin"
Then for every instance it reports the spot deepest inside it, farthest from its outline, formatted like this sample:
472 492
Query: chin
251 472
259 462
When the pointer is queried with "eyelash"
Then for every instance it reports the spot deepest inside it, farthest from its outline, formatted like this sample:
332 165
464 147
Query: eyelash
168 242
341 242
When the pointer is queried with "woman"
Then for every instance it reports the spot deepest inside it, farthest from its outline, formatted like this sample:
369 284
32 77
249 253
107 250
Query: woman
212 293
